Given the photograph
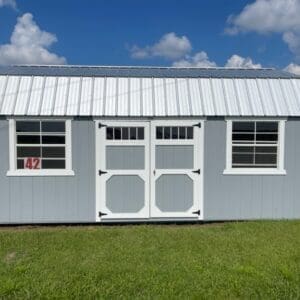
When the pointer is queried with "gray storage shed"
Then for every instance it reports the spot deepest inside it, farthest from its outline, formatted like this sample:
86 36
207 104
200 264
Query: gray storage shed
102 144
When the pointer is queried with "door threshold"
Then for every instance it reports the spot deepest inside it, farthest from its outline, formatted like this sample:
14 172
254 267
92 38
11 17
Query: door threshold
151 220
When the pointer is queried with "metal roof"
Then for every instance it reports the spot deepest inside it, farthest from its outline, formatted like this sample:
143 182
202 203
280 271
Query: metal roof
126 71
107 91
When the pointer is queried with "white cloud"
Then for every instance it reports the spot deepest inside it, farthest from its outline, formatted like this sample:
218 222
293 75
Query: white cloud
199 60
236 61
11 3
270 16
293 68
29 45
170 46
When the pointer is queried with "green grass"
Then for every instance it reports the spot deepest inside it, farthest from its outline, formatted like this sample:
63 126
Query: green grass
231 260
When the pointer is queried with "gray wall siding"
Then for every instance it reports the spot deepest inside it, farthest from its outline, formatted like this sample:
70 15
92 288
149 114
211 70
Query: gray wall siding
230 197
51 199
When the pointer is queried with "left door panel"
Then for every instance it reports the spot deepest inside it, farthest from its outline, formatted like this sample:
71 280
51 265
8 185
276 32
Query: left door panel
122 184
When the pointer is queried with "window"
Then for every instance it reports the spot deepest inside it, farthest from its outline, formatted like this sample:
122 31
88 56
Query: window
255 146
125 133
175 133
40 147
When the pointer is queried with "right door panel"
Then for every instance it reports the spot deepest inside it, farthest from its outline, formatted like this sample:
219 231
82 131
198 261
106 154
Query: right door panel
176 170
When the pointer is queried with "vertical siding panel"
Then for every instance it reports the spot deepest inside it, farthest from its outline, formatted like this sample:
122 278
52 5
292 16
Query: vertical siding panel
48 96
4 180
207 96
159 97
110 99
123 96
254 97
290 97
147 97
183 97
61 96
219 97
278 97
35 96
135 97
231 98
242 97
98 96
73 96
266 96
171 97
196 100
10 95
85 100
23 95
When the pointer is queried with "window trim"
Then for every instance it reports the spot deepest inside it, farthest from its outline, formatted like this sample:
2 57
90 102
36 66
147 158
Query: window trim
13 171
280 170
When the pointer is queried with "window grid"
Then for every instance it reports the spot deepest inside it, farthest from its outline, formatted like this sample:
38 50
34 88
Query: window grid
125 133
174 132
41 145
256 145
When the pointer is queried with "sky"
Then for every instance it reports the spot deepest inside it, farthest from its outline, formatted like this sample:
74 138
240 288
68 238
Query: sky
189 33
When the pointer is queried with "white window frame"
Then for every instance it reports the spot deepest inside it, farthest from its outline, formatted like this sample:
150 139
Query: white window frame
255 171
13 171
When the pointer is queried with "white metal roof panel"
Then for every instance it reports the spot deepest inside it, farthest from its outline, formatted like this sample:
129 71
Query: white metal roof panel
144 96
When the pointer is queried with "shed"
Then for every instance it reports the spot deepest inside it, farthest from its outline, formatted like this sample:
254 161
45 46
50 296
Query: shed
85 144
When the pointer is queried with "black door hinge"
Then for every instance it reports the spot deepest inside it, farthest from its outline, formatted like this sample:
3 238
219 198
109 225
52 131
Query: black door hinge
101 214
197 125
101 172
197 171
100 125
197 212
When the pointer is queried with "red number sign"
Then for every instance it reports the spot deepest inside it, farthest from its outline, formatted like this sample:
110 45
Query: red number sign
32 163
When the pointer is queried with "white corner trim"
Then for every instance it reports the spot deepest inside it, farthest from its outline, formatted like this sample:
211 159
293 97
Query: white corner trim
34 173
254 172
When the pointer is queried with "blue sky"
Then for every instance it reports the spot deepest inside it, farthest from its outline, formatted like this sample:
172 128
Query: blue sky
137 32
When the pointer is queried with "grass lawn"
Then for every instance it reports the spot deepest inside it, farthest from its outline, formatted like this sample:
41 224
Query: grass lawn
231 260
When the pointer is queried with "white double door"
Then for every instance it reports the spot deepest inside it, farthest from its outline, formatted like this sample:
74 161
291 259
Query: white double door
148 170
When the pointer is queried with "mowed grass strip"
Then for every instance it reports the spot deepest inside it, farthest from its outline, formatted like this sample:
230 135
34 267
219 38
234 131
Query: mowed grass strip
228 260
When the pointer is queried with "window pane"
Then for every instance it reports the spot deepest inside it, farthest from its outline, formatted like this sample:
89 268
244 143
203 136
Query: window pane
53 126
125 133
190 132
182 132
133 133
238 149
53 152
266 159
174 132
52 139
20 164
243 126
109 133
28 139
242 159
262 149
140 133
265 138
117 133
28 126
167 132
28 151
159 133
53 164
244 138
267 126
